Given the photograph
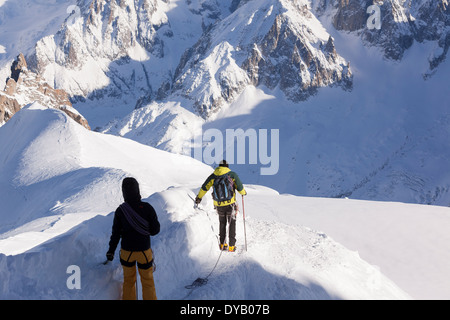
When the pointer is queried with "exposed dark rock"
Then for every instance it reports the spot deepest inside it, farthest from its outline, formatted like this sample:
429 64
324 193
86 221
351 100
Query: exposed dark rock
24 87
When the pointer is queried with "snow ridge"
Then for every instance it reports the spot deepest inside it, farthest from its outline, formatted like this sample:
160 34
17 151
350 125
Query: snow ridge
71 226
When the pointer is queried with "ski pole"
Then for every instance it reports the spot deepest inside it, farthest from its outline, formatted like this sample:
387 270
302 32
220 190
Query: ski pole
243 216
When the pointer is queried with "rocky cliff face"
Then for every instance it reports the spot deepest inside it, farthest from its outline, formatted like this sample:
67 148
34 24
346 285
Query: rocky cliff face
401 23
24 87
119 49
8 107
136 51
270 43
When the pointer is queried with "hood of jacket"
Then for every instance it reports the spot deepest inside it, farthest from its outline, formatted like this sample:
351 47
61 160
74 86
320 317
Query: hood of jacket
130 190
220 171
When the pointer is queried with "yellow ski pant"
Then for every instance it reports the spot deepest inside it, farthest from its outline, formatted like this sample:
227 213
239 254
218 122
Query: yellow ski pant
144 260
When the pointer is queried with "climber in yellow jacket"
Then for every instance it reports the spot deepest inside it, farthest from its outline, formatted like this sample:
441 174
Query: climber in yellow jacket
224 183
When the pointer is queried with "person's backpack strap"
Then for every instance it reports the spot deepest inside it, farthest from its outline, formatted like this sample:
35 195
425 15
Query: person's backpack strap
135 220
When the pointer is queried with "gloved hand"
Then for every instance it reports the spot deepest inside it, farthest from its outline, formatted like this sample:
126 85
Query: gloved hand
110 256
197 200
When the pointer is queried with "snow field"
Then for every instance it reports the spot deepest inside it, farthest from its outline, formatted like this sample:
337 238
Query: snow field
300 263
284 260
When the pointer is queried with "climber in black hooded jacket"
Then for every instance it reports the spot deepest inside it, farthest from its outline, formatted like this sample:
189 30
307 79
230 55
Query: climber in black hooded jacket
132 240
134 222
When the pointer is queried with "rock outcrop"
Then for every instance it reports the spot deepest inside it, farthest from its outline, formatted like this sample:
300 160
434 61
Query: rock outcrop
402 22
276 44
24 87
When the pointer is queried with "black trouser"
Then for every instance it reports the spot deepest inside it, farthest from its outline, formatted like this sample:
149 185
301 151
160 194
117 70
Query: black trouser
227 216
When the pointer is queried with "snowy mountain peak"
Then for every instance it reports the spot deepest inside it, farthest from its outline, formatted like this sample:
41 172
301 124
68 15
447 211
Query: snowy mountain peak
399 24
268 43
102 52
140 52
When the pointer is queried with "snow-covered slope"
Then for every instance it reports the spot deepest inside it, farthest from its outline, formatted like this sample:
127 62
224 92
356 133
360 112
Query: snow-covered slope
23 23
282 262
60 184
407 242
54 170
167 126
400 25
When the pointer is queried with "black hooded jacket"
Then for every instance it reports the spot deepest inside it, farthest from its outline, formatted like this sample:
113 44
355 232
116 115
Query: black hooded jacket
131 239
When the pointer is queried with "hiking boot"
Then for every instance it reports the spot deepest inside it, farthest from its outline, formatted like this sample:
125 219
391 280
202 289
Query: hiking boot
223 247
231 248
